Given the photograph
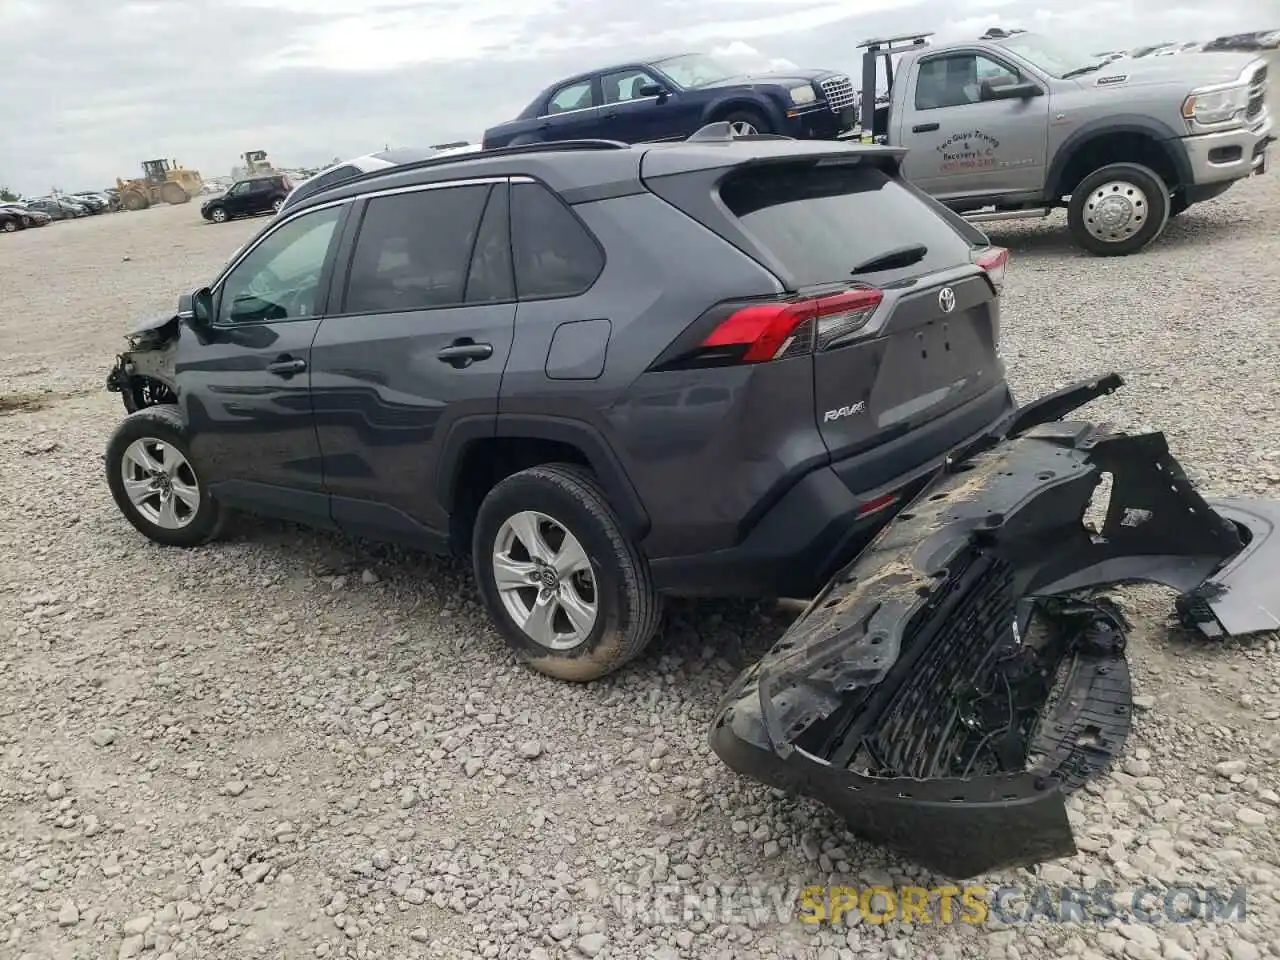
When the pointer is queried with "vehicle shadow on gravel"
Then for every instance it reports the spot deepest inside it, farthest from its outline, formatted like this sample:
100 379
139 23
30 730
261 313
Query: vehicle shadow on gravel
1055 239
694 631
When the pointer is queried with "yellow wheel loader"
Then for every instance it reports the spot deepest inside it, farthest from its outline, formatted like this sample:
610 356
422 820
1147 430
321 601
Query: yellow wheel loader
163 181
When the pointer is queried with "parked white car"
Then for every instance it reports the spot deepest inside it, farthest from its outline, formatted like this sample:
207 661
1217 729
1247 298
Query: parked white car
353 168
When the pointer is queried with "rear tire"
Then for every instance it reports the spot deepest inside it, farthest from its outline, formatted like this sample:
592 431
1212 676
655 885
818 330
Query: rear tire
1118 209
173 193
155 483
611 579
10 226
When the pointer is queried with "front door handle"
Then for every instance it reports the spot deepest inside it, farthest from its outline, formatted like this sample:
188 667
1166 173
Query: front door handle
924 128
286 366
464 352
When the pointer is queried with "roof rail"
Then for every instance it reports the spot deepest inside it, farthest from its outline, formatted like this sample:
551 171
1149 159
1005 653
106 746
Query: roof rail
914 39
516 150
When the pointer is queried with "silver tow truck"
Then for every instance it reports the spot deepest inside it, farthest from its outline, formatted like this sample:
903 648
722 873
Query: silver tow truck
1017 125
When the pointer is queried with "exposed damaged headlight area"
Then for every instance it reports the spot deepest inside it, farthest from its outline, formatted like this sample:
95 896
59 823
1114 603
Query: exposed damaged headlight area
951 685
144 374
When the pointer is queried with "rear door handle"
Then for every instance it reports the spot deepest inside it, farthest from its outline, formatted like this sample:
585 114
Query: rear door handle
286 366
924 128
464 352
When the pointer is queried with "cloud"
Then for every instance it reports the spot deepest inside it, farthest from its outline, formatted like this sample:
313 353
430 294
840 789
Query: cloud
90 90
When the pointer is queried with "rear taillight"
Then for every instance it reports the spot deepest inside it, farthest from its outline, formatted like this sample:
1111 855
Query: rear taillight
994 260
760 332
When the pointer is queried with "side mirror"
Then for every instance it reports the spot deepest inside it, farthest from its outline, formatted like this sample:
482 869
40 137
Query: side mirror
652 90
1010 91
198 306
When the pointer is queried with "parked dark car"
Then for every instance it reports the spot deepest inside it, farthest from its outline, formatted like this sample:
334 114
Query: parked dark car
539 355
671 97
91 200
1255 40
15 217
250 197
57 209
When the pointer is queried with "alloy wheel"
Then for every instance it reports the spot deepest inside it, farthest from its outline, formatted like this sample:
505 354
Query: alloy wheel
160 483
545 580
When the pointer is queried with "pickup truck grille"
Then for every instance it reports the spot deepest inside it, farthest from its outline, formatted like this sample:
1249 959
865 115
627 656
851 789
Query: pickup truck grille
838 92
1257 94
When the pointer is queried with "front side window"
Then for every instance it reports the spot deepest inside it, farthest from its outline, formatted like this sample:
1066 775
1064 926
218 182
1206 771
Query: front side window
625 85
240 189
957 80
280 278
573 96
414 250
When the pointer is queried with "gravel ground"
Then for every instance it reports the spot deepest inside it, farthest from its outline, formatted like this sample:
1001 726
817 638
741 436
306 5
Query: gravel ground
290 745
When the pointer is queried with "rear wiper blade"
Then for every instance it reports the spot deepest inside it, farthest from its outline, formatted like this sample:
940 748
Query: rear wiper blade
1081 71
899 257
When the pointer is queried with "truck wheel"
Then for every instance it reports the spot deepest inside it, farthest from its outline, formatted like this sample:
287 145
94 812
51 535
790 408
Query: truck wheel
566 587
1118 209
745 123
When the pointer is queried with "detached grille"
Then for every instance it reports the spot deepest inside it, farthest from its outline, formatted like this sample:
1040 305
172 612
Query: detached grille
1257 94
838 92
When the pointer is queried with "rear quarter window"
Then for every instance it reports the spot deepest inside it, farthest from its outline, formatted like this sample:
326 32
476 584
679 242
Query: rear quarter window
818 222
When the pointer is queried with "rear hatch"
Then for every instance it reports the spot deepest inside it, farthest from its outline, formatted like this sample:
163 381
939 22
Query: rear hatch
899 314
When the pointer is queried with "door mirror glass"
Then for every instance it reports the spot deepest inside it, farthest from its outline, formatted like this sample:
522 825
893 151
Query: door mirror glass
650 90
199 305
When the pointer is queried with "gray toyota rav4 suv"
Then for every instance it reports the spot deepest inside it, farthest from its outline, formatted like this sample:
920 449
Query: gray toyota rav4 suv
607 373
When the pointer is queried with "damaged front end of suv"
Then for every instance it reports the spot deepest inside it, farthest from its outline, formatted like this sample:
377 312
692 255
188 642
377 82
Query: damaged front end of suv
144 374
952 684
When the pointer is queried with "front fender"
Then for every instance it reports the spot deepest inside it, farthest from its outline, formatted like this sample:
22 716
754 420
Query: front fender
756 101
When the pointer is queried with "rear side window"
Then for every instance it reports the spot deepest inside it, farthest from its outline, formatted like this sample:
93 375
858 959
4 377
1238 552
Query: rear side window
490 278
821 222
555 256
414 250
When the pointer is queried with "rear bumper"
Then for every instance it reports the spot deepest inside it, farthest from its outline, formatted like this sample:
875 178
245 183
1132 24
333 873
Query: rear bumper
815 526
914 696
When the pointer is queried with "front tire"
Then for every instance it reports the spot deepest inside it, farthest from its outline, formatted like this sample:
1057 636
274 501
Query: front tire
10 226
745 123
155 483
219 215
567 588
1118 209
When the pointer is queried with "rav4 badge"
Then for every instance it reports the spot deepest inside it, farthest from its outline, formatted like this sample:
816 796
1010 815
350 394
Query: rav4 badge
845 411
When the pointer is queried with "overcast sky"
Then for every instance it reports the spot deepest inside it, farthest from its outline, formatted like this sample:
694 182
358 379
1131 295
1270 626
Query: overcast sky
89 89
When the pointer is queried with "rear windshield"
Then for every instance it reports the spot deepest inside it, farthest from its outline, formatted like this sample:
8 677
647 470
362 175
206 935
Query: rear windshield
821 222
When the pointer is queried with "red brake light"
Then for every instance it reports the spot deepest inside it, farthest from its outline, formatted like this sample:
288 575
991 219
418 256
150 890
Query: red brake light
994 260
772 331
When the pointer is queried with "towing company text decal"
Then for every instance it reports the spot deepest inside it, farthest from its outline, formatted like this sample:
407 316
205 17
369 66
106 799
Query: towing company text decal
973 150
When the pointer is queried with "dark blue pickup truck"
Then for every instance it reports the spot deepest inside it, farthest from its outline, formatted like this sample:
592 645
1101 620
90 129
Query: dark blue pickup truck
670 98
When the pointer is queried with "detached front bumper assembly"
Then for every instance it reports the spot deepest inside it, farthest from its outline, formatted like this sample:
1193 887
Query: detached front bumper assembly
951 685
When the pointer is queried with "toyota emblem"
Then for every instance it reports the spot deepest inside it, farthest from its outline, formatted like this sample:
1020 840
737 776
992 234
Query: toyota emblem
947 299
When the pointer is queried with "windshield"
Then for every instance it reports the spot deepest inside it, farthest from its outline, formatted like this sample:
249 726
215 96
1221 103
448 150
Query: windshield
1054 58
693 70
